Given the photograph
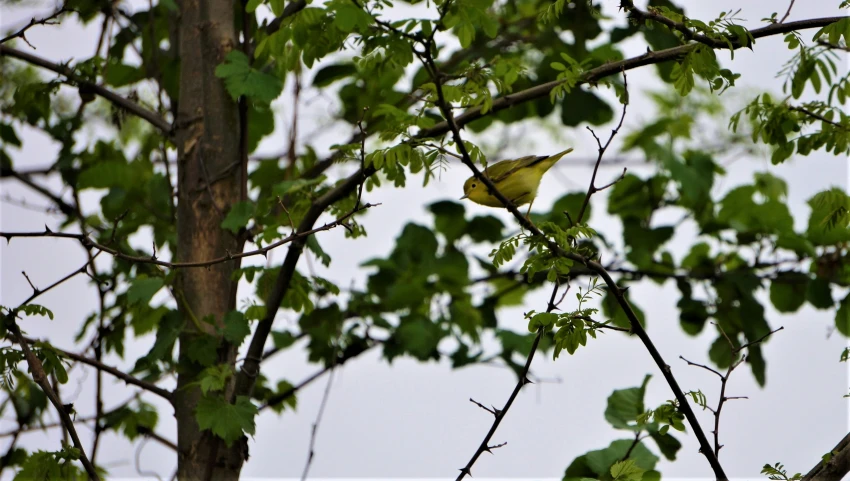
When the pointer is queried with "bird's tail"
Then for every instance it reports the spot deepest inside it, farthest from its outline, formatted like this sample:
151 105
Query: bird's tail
548 162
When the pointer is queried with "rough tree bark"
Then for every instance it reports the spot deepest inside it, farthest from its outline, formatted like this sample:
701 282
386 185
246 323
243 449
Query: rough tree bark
210 180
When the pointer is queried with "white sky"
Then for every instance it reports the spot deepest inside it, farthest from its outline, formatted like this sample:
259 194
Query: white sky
410 419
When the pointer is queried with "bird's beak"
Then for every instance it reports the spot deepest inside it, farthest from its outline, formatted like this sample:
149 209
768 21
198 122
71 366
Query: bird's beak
464 196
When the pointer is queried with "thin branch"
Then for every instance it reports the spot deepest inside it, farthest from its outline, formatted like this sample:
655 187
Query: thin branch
279 398
499 414
153 388
787 12
592 188
709 369
40 378
63 206
21 33
84 84
642 15
492 411
820 117
250 368
724 378
88 242
315 427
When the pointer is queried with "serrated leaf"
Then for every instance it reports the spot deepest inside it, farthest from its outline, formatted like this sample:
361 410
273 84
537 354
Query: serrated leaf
236 327
227 421
242 79
238 216
143 289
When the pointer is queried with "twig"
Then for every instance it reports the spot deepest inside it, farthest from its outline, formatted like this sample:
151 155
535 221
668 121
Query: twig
787 12
32 23
315 427
632 446
648 58
724 378
592 189
492 411
817 116
283 396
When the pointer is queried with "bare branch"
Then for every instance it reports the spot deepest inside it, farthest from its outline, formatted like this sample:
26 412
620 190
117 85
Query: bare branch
21 33
787 12
592 189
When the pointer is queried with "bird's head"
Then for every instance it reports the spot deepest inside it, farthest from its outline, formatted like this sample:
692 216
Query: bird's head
474 189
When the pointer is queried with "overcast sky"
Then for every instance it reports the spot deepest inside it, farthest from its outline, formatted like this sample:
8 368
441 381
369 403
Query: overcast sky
414 420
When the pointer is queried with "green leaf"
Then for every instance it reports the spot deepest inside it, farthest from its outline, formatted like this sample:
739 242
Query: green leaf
36 310
626 471
449 219
667 444
720 353
819 294
236 327
214 378
225 420
419 337
579 106
252 5
600 461
282 339
624 406
842 316
203 350
486 228
788 291
331 73
142 289
315 248
242 79
238 216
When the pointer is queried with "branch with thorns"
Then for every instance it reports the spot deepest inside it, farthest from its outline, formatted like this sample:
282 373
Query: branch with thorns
724 378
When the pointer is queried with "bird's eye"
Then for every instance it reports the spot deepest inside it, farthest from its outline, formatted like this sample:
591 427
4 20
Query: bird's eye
473 185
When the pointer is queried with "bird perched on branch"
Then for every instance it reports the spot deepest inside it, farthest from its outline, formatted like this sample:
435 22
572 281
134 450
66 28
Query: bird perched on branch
516 179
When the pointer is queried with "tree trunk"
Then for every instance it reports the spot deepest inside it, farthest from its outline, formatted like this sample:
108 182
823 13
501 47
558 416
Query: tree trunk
210 181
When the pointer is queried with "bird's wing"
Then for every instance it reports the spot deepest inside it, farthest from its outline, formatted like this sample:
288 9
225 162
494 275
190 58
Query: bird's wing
502 170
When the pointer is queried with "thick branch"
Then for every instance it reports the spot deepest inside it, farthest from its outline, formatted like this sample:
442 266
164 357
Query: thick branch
836 468
109 95
250 368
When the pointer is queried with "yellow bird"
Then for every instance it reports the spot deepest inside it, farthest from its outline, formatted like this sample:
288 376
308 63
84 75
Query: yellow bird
516 179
